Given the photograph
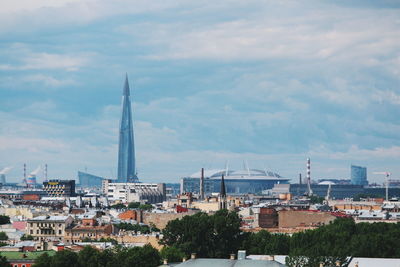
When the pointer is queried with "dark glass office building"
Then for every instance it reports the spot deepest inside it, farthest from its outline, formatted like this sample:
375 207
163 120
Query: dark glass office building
359 175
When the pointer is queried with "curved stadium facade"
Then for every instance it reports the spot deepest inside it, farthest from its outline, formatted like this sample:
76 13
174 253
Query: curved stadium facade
250 181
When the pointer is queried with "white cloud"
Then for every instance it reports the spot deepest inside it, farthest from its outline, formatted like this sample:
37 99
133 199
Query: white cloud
37 61
48 80
10 6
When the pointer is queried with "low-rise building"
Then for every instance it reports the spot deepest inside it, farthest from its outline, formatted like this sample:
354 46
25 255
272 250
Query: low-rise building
48 228
80 233
134 192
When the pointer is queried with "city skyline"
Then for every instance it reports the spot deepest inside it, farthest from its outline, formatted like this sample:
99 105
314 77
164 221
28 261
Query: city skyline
268 82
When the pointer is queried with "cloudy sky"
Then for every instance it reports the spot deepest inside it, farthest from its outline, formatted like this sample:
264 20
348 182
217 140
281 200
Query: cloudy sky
267 82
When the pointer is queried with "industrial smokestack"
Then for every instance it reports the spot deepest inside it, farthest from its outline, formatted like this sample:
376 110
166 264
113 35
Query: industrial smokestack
300 178
202 184
24 173
45 172
310 192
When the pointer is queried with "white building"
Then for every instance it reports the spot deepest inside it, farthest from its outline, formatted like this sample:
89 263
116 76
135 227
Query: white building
134 192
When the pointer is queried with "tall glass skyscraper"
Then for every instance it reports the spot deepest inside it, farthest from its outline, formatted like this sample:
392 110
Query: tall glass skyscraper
126 151
359 175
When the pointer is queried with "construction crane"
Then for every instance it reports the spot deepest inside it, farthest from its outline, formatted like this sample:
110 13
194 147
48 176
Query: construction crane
387 175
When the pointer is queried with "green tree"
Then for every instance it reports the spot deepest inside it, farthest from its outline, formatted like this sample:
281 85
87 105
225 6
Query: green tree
118 206
172 254
145 256
4 262
26 237
89 257
146 207
3 236
65 258
217 235
4 219
43 260
133 205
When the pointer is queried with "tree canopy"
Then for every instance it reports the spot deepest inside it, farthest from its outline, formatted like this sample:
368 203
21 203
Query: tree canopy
145 256
217 235
4 219
3 236
26 237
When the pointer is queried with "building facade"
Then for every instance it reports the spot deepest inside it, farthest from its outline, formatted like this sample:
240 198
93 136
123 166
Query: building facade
126 149
48 228
358 175
59 188
134 192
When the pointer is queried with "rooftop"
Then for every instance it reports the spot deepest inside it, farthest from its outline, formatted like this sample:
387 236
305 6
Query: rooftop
229 263
49 218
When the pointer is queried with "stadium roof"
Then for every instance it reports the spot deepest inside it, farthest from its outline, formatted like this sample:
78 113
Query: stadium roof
232 174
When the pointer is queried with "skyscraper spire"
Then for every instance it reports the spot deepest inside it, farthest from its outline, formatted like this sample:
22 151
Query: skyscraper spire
126 151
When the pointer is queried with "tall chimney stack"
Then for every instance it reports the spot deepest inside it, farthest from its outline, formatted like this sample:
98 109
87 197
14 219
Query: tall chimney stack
24 173
45 172
202 184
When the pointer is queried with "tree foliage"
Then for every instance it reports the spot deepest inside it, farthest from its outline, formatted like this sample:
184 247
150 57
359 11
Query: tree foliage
26 237
4 219
216 236
137 205
145 256
172 254
3 236
4 262
144 229
118 206
133 205
337 241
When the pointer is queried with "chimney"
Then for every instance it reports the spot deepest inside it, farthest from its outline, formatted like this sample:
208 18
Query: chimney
271 257
183 259
202 184
241 254
165 262
337 263
193 256
232 257
321 264
356 264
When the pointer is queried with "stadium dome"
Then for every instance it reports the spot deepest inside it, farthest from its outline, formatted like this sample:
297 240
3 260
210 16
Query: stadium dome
240 174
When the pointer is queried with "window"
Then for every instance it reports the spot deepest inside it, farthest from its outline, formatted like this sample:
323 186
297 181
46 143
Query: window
59 232
23 265
31 232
